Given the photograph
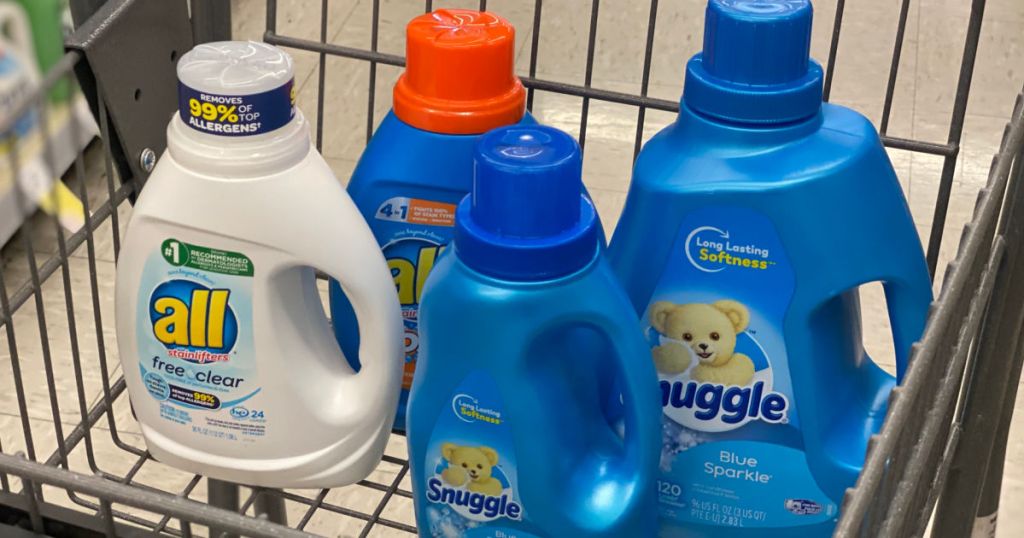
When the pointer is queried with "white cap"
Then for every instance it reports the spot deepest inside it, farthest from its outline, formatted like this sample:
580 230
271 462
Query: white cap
235 68
236 88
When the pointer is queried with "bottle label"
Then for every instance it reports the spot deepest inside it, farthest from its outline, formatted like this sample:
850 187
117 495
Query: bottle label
196 355
471 487
412 233
732 448
237 115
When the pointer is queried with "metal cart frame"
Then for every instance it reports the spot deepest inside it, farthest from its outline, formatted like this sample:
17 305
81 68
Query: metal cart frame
943 442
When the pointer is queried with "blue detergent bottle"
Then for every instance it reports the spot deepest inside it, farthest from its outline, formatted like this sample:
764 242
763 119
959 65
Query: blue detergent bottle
523 327
459 83
749 225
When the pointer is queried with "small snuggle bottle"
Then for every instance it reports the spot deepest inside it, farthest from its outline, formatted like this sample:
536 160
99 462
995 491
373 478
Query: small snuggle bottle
750 224
523 328
459 82
231 365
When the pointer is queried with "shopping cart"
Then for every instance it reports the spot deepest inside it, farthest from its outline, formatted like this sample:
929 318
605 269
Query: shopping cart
80 469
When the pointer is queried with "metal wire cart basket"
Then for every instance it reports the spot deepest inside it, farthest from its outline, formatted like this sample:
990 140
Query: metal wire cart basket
80 468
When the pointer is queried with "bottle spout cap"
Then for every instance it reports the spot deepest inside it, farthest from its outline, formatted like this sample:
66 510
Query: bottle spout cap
460 73
755 66
236 88
526 217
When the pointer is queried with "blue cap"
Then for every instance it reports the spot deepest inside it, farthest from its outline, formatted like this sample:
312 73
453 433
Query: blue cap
526 218
756 66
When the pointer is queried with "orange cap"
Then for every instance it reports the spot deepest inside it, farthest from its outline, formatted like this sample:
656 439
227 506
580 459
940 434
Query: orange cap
460 73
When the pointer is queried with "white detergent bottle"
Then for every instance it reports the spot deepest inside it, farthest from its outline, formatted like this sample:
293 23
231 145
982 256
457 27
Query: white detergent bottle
229 359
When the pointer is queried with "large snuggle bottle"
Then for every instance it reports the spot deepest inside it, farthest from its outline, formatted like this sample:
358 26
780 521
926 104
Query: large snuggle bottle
459 82
507 430
749 225
231 365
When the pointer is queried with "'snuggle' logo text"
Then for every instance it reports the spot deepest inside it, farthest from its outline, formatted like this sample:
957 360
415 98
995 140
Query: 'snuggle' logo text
733 404
487 506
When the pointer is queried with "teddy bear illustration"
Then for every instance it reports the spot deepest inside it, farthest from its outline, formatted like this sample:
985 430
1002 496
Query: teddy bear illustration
472 465
707 332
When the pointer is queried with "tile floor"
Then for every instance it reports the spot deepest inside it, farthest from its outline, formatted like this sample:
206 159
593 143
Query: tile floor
922 108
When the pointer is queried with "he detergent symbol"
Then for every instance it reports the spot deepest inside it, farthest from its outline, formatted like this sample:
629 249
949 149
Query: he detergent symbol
194 322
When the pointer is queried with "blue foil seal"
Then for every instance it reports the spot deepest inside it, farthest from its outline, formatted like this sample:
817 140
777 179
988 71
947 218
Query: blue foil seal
237 115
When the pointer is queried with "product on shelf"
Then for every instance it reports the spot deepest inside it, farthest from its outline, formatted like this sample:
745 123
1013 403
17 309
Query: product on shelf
231 364
47 20
525 336
42 151
749 225
19 72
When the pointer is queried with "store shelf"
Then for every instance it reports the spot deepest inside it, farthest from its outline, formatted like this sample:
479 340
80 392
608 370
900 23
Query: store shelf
70 129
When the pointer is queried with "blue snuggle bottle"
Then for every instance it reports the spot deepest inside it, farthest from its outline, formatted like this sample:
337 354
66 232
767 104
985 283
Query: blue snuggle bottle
750 224
507 427
459 82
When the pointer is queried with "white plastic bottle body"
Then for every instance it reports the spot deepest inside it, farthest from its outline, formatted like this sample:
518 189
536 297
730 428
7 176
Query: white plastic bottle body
309 420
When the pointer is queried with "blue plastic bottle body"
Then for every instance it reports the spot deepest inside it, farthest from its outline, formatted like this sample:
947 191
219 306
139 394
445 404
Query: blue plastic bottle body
828 189
569 471
409 164
405 163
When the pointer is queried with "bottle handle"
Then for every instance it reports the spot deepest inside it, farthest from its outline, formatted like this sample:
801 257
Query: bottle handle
362 273
641 411
908 312
577 339
907 304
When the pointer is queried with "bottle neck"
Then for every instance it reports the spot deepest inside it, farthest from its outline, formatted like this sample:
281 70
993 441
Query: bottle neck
716 132
534 284
239 157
